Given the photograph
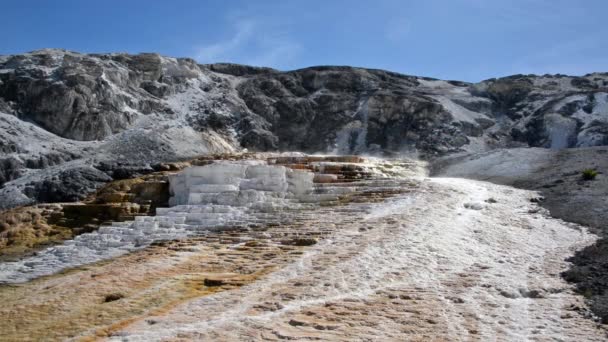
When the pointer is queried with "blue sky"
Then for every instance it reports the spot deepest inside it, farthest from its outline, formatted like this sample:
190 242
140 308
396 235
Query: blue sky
467 40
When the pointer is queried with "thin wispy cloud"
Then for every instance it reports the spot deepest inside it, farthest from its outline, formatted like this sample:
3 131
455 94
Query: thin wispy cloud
213 52
278 55
252 42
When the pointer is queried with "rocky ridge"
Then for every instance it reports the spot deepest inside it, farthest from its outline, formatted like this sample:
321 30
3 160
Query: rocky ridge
71 122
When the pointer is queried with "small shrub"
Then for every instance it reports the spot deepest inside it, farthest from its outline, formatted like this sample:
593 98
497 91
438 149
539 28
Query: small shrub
587 293
589 174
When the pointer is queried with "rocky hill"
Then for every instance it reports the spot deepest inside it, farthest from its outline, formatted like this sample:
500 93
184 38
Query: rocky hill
123 137
70 122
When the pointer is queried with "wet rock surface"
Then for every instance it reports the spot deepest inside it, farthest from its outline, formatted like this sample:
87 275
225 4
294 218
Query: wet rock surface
372 285
219 194
27 229
376 254
558 175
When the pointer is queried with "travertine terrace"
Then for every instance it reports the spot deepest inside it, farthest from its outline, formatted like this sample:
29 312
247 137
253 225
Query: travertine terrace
290 246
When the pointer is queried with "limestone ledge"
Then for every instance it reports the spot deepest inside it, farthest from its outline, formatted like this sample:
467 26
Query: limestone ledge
316 180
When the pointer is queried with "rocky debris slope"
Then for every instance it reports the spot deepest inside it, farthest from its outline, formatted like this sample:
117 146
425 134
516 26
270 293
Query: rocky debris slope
43 167
557 175
120 113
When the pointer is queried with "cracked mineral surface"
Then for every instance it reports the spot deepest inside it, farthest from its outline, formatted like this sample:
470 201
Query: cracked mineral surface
310 248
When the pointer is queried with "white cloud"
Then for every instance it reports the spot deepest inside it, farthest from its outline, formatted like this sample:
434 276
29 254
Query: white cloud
252 42
213 52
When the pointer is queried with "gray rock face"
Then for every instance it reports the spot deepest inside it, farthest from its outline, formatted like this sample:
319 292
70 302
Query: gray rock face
67 186
60 107
551 111
346 110
87 97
